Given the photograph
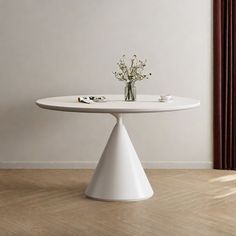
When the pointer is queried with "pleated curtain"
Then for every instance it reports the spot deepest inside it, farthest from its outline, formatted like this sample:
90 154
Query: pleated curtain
224 84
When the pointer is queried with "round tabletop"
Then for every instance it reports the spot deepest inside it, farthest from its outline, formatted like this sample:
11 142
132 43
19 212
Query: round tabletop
116 104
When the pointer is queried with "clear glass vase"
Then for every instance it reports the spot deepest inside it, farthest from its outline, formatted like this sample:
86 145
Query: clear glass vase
130 92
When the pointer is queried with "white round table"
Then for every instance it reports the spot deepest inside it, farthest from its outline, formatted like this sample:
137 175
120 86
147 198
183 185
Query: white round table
119 175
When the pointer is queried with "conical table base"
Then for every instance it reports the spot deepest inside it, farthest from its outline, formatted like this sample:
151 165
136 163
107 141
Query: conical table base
119 175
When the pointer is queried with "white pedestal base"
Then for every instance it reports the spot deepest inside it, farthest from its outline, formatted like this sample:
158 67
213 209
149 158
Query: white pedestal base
119 175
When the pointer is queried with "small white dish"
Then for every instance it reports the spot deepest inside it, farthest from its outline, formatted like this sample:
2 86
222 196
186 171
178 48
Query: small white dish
165 98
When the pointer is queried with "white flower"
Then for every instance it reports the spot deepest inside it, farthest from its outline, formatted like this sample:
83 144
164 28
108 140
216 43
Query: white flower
133 72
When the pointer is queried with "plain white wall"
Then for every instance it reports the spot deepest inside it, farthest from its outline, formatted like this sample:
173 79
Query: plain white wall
67 47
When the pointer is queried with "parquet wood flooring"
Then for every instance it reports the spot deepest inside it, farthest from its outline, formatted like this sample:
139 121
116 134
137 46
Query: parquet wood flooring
52 203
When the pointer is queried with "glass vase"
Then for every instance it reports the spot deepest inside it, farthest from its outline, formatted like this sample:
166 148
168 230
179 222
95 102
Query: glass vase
130 92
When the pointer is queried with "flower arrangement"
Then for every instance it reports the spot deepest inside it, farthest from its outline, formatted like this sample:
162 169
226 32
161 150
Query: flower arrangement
130 74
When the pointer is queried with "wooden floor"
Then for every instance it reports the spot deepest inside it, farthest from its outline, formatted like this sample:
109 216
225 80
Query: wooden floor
52 202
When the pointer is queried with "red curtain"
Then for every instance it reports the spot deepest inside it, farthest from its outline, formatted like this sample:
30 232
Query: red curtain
224 23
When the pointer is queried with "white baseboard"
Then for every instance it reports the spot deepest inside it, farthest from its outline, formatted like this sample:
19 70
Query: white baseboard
92 165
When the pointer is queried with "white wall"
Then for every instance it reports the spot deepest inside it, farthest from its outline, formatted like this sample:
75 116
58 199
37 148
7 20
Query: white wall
65 47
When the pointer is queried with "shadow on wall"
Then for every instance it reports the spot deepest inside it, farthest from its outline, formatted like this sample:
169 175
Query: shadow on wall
23 120
28 132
